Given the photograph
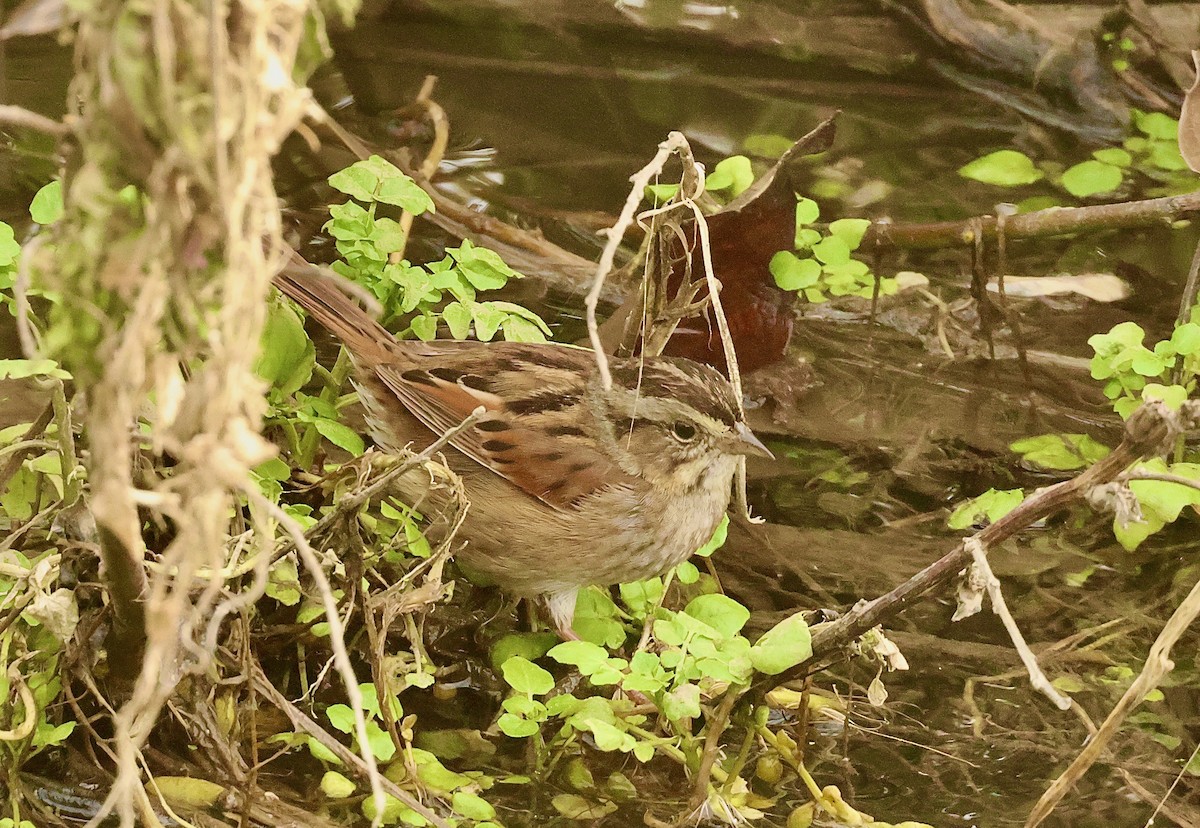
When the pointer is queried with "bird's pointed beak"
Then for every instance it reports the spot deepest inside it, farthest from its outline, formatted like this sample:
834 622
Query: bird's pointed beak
744 442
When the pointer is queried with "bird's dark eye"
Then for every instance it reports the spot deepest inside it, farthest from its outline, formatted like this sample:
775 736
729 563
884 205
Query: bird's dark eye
684 431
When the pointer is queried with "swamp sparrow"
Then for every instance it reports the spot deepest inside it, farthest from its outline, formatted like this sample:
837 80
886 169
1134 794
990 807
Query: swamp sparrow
569 483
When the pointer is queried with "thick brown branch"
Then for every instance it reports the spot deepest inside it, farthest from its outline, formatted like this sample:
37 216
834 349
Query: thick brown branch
1055 221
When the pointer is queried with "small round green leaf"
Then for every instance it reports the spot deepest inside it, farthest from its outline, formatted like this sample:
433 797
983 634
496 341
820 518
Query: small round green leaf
793 273
336 786
1090 178
47 204
526 677
807 211
1003 168
720 612
783 646
832 250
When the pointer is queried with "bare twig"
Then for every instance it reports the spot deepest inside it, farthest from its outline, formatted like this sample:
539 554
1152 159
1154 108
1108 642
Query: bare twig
1036 677
20 117
675 141
1055 221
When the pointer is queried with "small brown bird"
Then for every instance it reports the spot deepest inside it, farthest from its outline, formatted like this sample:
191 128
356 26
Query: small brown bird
569 483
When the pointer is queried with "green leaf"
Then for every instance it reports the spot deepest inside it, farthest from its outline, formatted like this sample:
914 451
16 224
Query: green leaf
472 806
1061 452
518 329
47 204
989 506
850 230
484 268
660 193
376 179
807 211
642 596
682 703
488 319
515 726
1157 125
341 436
526 677
607 736
596 619
1003 168
529 645
1113 155
425 327
25 368
341 716
458 319
720 612
832 250
783 646
336 786
1186 339
1166 156
733 173
1173 396
806 237
380 742
717 540
793 273
573 806
388 235
286 355
1090 178
9 249
687 573
582 654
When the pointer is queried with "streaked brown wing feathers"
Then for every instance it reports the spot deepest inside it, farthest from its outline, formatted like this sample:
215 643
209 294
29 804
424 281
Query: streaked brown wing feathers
510 439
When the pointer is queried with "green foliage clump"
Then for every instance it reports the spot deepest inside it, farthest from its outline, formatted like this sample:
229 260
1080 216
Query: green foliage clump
821 264
1133 373
441 292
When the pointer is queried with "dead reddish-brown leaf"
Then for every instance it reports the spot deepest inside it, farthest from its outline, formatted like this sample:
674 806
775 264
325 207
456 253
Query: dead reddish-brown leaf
1189 121
744 235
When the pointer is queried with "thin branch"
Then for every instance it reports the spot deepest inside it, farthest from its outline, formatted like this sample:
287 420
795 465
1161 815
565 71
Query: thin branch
1036 677
640 180
20 117
1146 431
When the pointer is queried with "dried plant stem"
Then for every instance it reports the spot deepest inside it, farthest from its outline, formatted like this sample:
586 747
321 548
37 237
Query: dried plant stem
180 104
1036 677
1158 664
337 637
303 724
641 179
20 117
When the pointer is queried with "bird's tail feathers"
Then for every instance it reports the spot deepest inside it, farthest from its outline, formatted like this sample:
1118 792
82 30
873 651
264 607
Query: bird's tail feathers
326 302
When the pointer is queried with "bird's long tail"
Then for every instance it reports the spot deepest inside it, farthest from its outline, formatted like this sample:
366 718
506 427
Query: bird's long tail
318 294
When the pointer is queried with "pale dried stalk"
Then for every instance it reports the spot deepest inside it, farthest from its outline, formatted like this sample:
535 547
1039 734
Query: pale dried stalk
1036 677
1158 664
674 143
187 102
